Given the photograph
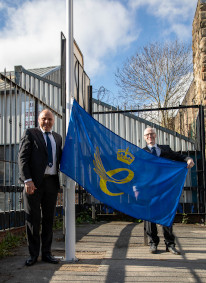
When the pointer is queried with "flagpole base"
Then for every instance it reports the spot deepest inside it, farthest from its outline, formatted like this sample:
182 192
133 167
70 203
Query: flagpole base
63 259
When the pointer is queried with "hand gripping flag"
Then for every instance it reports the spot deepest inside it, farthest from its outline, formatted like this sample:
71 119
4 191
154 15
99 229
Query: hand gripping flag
120 174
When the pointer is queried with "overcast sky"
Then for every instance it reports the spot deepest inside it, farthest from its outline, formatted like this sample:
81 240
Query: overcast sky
107 32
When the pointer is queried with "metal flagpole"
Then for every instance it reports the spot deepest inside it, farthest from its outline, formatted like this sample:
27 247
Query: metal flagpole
70 234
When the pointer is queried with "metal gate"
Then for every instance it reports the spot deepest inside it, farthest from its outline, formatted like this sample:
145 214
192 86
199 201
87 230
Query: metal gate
23 94
186 136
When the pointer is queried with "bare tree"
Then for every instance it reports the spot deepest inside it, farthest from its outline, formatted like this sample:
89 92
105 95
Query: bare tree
158 75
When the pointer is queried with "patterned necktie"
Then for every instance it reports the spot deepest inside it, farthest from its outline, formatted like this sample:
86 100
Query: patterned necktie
153 151
49 149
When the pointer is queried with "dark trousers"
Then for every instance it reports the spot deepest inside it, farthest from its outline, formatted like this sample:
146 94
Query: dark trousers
40 210
152 233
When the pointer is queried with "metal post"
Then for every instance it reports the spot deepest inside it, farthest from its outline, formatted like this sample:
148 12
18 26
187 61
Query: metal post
70 184
63 103
202 143
145 235
89 110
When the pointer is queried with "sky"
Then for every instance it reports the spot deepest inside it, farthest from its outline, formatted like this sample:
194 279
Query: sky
108 32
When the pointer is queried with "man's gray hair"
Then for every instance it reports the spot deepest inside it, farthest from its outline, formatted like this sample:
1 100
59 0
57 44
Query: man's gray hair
153 129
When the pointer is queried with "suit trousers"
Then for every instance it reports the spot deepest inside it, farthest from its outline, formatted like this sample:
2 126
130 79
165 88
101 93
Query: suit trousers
40 210
152 233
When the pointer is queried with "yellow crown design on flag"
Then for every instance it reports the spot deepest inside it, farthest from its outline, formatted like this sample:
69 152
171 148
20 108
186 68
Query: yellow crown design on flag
125 156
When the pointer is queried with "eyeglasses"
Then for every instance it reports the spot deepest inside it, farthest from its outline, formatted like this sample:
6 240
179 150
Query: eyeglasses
150 134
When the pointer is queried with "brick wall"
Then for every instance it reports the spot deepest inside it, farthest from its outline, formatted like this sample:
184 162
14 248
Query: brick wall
199 53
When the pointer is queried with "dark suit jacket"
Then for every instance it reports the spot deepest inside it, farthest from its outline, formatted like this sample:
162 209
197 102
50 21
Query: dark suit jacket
33 156
167 152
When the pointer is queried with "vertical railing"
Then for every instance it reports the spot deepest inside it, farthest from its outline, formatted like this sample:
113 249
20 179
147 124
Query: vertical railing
19 110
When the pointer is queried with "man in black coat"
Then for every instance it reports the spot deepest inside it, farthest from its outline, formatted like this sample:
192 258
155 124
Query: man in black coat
39 158
167 152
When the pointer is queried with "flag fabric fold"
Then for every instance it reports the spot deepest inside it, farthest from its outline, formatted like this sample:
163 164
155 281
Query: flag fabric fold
120 174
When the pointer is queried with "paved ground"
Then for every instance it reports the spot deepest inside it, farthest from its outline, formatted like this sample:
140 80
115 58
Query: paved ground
113 252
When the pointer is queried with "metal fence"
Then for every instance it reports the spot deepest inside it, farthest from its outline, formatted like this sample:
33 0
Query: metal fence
131 127
23 95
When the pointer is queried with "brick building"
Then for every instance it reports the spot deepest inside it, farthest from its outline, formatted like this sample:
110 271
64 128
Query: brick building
196 93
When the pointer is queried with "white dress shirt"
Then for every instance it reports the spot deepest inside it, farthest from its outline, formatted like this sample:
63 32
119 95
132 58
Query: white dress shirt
158 150
51 170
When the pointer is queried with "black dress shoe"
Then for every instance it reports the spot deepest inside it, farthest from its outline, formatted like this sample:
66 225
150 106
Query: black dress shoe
153 249
50 259
172 250
31 260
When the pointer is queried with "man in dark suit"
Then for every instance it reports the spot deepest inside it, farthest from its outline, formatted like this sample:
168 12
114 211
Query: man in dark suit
39 158
167 152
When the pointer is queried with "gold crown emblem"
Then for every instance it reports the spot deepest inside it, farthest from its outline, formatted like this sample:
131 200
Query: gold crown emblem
125 156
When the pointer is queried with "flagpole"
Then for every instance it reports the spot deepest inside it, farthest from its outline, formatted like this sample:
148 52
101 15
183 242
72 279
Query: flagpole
70 234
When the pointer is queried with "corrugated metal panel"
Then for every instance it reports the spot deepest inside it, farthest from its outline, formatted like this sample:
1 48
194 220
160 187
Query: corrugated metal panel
42 71
131 128
47 72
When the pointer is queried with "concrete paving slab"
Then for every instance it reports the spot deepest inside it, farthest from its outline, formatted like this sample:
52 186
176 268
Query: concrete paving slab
114 252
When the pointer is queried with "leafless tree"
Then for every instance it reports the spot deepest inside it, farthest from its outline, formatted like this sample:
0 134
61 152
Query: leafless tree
158 75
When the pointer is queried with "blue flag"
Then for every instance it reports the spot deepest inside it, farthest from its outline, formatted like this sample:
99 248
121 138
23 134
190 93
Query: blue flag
120 174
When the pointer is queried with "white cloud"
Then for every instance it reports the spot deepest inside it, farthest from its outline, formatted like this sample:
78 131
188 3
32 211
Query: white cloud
105 27
168 9
182 31
31 36
102 29
177 13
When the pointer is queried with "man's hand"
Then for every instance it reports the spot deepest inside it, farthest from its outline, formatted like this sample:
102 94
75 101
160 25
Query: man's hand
190 163
30 188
